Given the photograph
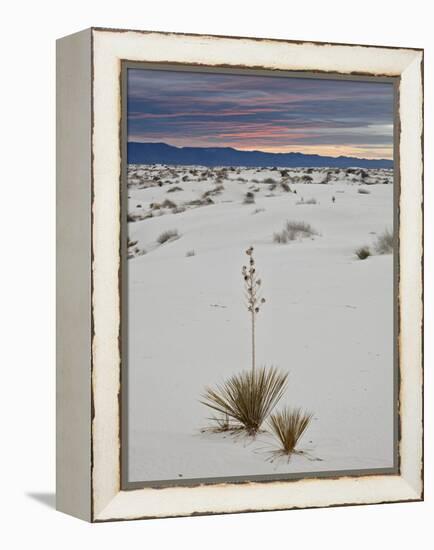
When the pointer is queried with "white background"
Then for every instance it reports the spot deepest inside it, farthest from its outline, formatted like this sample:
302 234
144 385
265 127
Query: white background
27 398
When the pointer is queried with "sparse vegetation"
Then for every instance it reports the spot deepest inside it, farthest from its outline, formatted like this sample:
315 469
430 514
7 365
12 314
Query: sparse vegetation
294 230
363 191
363 252
190 253
178 209
308 201
249 198
384 242
169 235
258 210
288 426
175 188
247 398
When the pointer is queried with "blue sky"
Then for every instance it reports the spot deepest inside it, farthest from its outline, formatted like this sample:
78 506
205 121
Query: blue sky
326 117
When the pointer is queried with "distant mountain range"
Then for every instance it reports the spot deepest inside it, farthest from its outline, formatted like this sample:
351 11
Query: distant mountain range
162 153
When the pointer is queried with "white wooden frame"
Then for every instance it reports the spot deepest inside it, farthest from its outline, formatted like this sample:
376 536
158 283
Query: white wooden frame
88 358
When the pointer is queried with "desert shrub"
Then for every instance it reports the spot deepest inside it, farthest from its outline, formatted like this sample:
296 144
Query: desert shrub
175 188
363 191
308 201
288 426
248 397
281 237
169 235
178 209
269 180
294 230
249 198
384 242
284 173
362 252
200 202
190 253
307 178
167 203
299 229
218 189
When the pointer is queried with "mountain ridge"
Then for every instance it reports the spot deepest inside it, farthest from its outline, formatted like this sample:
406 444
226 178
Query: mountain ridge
163 153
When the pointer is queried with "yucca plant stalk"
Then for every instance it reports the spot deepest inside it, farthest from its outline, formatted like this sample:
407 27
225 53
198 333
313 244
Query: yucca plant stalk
253 299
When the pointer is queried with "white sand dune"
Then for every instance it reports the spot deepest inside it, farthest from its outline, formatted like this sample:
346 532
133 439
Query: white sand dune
328 321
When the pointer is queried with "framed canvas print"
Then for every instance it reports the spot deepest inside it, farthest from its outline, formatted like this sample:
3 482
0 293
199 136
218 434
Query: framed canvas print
239 265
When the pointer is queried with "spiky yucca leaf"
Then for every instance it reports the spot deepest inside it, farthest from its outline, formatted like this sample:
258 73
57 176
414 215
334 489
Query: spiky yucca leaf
288 426
248 397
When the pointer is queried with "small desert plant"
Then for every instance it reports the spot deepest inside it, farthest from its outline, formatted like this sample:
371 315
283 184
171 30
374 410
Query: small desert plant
294 230
249 198
281 237
363 191
269 180
308 201
384 243
258 210
178 209
362 252
190 253
167 203
169 235
248 397
175 188
288 426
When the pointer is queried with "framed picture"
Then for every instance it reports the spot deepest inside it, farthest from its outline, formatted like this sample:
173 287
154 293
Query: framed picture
240 301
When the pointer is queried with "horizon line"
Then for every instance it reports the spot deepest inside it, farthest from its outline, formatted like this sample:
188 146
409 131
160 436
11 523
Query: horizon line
260 151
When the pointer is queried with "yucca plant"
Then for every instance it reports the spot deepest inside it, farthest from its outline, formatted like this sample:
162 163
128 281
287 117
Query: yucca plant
288 426
253 299
248 397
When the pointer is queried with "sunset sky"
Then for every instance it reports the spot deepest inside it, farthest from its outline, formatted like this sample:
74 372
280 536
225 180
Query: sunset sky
325 117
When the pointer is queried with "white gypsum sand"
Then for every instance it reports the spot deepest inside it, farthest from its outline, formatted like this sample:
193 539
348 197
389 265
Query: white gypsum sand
328 319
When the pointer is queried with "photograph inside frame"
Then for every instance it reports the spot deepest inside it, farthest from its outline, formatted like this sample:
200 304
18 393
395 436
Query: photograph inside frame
259 275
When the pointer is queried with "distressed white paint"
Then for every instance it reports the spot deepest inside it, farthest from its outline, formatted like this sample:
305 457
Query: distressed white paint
110 48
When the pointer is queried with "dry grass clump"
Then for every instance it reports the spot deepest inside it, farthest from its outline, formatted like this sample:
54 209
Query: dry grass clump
288 426
363 191
363 252
178 209
248 397
190 253
384 242
175 188
218 189
294 230
308 201
169 235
